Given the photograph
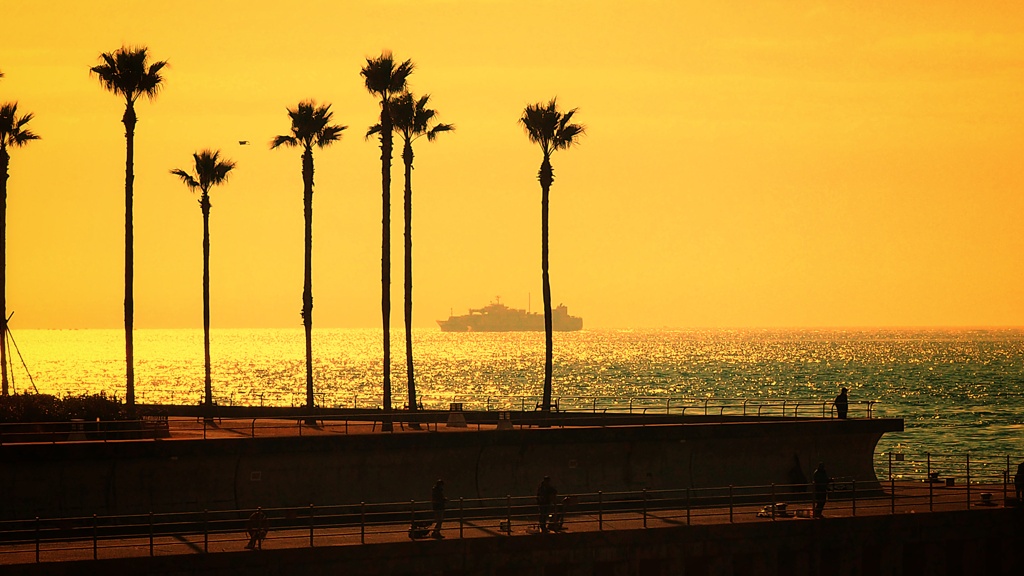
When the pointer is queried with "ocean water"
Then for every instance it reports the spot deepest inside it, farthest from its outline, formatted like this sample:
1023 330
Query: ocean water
959 391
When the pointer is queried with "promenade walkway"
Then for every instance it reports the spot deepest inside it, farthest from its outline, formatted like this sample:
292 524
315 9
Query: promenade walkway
355 524
910 498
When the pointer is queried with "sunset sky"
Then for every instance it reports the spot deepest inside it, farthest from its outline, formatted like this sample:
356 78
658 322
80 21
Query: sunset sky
746 164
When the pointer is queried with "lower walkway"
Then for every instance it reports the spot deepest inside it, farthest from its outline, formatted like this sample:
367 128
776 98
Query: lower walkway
202 533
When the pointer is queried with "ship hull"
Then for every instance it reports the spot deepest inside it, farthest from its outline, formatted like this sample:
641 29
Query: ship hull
499 318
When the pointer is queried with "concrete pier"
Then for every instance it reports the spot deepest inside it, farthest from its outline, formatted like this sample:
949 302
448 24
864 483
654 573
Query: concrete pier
344 465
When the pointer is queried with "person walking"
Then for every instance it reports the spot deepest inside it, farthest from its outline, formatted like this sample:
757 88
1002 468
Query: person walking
257 528
820 480
842 404
545 500
437 504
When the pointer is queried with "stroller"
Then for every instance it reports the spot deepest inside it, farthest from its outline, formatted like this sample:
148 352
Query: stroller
557 521
419 530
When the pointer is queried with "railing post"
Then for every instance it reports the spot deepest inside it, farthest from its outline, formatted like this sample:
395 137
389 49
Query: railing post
892 494
95 529
206 531
931 499
687 505
1006 478
37 537
645 507
204 428
150 533
362 522
853 495
968 480
600 510
412 513
462 516
312 517
730 503
773 502
508 513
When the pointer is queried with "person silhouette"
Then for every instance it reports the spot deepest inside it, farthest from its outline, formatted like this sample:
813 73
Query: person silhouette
820 480
437 504
545 499
842 404
257 529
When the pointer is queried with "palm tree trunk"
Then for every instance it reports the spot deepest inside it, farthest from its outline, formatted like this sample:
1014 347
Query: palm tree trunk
385 258
4 163
307 288
204 202
129 119
407 156
546 177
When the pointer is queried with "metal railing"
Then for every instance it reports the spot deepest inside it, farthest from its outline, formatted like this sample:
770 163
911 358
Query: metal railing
95 536
566 411
784 407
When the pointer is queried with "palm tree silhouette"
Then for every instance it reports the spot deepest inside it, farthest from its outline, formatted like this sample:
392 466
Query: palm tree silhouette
553 130
209 171
13 134
384 78
412 119
311 126
127 73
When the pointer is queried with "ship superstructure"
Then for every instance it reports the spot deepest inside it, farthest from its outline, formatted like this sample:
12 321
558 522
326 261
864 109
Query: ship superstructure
497 317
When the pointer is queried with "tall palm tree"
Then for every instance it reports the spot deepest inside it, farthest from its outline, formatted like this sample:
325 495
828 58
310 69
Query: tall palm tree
311 126
13 134
209 171
412 119
384 78
552 130
127 72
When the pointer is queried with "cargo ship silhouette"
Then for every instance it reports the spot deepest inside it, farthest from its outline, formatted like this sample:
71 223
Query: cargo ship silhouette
496 317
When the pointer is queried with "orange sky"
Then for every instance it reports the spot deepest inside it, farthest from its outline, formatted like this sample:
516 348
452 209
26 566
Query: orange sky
746 164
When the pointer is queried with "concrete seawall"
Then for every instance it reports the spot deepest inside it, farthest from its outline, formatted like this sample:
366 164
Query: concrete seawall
79 479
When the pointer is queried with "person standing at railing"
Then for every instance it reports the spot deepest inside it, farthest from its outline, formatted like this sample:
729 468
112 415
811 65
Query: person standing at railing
546 494
842 404
257 528
437 504
820 480
1018 484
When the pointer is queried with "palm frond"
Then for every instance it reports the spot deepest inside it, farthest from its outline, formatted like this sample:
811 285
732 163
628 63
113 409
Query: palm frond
126 72
438 129
13 132
186 178
549 128
283 141
310 126
209 171
382 76
329 135
412 118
